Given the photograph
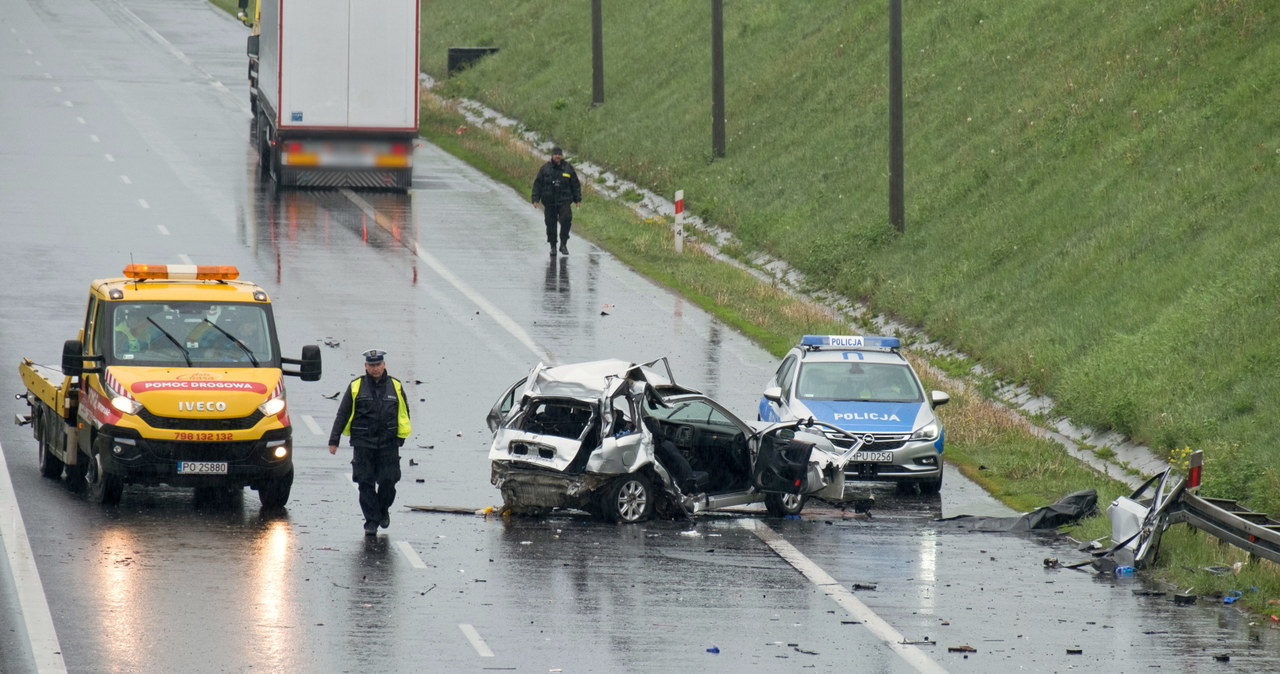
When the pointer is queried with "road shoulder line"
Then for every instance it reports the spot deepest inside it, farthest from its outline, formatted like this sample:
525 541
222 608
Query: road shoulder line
45 649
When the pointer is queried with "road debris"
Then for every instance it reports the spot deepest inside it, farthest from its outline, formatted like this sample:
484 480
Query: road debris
964 648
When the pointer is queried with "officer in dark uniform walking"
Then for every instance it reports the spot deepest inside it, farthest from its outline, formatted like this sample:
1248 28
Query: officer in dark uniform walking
557 187
375 414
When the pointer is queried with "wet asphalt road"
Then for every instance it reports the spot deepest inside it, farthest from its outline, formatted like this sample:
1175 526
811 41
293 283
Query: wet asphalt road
127 140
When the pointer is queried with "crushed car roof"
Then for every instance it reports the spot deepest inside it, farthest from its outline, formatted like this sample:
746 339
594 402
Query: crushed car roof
588 381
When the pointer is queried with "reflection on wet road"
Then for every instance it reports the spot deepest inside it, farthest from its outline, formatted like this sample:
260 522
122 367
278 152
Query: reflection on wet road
453 280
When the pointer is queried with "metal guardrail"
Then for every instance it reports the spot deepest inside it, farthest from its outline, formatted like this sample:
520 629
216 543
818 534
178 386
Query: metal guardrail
1253 532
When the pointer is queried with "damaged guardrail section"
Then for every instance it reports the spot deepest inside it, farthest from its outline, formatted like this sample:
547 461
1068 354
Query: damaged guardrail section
1137 521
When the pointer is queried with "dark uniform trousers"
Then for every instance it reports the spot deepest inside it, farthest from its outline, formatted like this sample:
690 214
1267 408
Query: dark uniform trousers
376 470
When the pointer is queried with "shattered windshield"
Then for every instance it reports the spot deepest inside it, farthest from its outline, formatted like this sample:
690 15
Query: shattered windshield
191 334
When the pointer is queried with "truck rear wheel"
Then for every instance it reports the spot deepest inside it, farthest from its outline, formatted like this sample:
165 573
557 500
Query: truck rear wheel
101 486
50 465
274 493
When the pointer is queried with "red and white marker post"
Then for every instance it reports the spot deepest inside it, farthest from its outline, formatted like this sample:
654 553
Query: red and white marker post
678 228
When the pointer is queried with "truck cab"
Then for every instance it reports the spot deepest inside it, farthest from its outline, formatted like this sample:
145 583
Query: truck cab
176 378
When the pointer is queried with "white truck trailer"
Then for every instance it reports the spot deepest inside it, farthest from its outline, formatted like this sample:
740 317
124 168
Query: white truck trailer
336 92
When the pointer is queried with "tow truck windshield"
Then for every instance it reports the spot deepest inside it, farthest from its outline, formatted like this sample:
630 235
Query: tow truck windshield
190 334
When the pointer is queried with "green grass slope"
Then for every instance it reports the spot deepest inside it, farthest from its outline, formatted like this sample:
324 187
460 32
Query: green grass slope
1088 184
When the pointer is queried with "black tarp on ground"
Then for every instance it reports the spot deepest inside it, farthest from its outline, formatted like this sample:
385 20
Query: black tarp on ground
1068 509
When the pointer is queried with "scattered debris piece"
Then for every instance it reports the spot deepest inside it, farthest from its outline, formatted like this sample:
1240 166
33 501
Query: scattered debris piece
420 480
714 649
859 622
864 586
331 342
1232 596
801 650
1222 657
412 462
1075 651
1149 593
1184 599
964 648
334 396
442 509
1218 570
1051 563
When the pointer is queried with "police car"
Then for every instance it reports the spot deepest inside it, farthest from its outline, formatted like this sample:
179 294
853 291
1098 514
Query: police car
864 386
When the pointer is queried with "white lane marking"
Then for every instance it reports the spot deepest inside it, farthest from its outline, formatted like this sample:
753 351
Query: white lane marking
877 625
47 76
311 424
143 203
498 316
94 137
476 642
26 579
155 35
125 179
186 259
81 120
57 88
68 104
412 555
108 157
162 229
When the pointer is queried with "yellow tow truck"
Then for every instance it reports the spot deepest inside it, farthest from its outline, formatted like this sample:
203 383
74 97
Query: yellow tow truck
176 378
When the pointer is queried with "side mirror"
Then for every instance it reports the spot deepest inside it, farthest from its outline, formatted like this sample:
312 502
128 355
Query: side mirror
310 369
308 365
773 393
938 398
72 358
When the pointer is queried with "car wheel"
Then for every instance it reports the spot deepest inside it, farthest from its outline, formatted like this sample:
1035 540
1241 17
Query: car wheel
101 486
275 492
628 499
781 505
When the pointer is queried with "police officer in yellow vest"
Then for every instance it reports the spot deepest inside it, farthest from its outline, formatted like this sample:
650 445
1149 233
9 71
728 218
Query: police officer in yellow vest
375 414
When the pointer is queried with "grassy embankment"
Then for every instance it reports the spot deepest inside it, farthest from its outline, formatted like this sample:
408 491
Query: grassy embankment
1084 192
1087 189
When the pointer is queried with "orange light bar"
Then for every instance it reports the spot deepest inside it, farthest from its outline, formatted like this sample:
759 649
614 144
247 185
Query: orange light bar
391 161
193 272
300 159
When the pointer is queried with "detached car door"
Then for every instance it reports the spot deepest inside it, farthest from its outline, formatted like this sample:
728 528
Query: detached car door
785 462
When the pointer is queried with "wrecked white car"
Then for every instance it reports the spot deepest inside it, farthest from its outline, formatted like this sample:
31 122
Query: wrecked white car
625 443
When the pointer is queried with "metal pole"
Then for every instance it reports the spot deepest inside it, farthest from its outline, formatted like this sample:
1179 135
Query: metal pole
597 54
717 78
896 214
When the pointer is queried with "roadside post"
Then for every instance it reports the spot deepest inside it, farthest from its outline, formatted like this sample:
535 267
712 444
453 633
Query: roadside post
678 228
1195 470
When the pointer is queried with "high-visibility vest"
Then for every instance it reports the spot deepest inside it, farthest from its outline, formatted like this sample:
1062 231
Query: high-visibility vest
403 427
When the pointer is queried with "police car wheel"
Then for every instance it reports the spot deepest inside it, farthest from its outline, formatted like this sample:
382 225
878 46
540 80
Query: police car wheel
782 505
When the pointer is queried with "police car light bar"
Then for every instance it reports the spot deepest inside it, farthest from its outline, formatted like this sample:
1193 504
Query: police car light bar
849 342
189 272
